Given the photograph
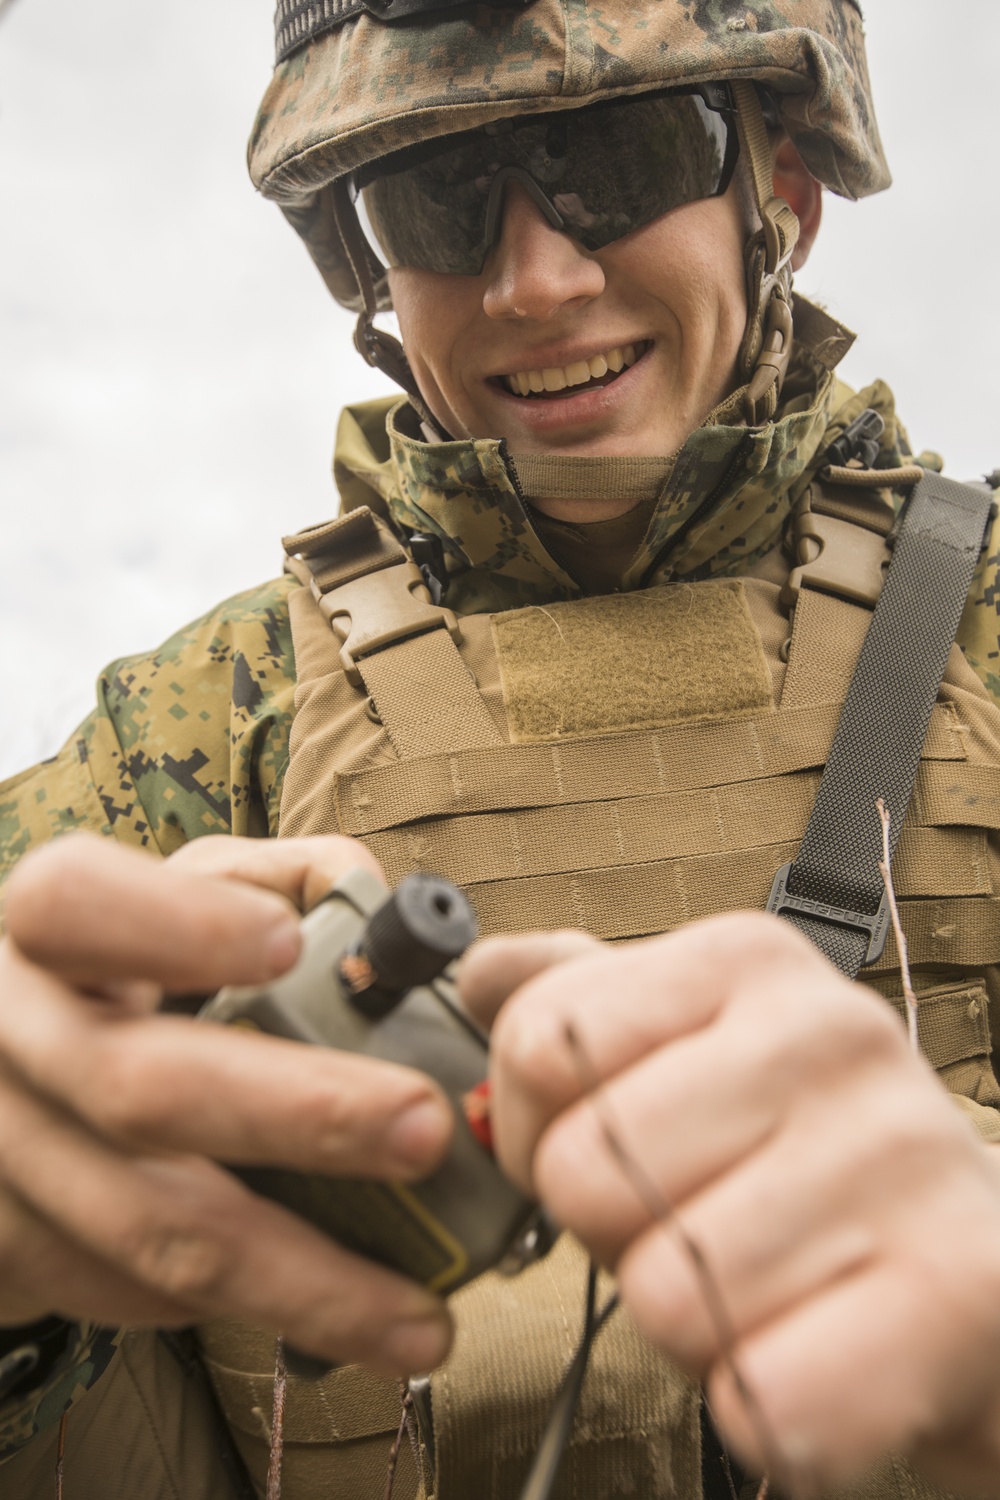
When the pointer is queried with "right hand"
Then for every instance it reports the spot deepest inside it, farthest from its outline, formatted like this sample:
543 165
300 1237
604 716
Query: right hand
113 1117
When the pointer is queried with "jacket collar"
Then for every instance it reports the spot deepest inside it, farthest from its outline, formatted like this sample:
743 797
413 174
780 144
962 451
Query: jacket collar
721 507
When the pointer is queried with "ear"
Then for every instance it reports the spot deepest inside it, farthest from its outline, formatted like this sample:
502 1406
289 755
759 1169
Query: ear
795 183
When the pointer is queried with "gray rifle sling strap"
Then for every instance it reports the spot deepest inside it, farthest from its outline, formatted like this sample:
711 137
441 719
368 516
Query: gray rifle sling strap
833 891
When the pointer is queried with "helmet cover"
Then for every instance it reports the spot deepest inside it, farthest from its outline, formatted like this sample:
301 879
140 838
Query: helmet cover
353 84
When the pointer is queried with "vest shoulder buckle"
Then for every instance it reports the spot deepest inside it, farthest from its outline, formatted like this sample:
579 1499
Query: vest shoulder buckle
836 555
379 609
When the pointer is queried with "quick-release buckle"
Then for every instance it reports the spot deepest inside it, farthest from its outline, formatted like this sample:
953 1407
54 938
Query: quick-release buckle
835 557
876 925
380 608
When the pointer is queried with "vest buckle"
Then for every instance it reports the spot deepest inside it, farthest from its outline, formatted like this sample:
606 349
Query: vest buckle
834 556
379 609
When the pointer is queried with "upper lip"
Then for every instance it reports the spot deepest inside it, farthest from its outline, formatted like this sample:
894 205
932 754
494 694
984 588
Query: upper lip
557 356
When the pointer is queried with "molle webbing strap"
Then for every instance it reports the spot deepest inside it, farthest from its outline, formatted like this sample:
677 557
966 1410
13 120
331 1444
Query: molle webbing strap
510 778
876 749
397 645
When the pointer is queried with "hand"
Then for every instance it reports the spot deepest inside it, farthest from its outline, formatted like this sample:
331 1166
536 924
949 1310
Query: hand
112 1117
848 1215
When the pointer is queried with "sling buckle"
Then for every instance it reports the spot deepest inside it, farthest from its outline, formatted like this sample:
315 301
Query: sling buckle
875 924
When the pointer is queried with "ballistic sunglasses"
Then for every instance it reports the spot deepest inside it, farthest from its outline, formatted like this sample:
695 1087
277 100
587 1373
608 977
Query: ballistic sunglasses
597 173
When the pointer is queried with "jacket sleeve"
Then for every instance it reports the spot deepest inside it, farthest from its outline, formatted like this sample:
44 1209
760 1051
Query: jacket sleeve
189 740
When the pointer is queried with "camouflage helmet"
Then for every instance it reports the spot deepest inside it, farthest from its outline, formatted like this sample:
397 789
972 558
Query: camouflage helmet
358 79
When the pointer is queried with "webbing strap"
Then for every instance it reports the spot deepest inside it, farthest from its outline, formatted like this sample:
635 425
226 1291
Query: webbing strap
427 698
876 749
398 646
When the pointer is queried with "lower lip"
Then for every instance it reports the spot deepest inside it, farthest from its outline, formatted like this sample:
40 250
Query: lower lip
578 407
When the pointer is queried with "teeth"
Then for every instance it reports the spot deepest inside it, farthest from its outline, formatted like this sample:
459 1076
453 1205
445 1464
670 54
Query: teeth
555 378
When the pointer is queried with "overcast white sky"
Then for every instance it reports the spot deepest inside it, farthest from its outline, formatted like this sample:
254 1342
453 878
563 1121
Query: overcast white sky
171 366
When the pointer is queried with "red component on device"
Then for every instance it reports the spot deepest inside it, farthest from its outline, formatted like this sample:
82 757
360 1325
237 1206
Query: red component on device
476 1105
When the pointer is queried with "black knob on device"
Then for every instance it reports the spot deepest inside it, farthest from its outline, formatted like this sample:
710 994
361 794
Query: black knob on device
416 933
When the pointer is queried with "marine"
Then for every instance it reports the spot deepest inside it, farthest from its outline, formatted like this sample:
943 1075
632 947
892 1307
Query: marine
578 639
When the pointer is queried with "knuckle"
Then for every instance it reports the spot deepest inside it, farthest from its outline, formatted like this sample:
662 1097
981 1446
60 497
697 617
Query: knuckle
188 1262
524 1043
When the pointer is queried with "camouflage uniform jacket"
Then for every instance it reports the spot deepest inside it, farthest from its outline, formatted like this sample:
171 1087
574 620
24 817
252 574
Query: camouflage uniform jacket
193 738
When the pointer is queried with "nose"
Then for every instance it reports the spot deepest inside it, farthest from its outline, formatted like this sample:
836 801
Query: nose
536 270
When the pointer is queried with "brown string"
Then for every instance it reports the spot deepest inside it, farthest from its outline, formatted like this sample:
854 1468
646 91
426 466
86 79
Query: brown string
60 1455
664 1213
273 1490
406 1406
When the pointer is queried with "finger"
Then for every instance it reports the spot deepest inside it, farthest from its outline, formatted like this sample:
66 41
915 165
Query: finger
95 912
43 1274
835 1188
189 1232
493 969
302 869
707 1104
584 1021
171 1084
867 1392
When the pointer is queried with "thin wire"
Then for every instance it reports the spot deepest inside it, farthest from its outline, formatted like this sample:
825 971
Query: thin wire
394 1452
664 1213
273 1490
555 1439
60 1455
885 870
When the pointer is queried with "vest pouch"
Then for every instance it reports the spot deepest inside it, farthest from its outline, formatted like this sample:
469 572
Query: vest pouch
637 1428
338 1430
953 1029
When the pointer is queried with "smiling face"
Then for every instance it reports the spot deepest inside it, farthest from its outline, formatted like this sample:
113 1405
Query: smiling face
621 351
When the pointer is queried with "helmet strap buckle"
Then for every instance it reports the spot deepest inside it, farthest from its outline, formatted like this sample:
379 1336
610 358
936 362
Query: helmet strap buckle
760 401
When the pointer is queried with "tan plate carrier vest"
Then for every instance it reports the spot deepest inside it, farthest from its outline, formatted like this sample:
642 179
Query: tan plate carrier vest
621 764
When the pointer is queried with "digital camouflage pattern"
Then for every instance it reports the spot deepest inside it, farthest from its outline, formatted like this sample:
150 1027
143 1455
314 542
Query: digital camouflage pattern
366 87
173 750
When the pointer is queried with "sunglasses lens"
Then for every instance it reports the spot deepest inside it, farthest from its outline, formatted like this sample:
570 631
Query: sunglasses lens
606 170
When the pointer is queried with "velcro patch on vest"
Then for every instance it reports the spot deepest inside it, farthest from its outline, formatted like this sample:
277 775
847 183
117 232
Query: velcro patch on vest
631 661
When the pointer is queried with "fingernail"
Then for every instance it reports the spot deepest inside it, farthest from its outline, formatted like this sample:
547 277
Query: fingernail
419 1133
283 944
417 1343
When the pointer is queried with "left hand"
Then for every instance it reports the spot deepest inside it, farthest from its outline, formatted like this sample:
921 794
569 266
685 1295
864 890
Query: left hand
849 1215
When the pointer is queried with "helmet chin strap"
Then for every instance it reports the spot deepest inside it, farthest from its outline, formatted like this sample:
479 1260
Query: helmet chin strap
767 341
376 347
